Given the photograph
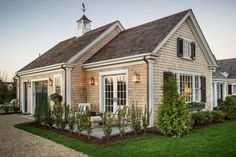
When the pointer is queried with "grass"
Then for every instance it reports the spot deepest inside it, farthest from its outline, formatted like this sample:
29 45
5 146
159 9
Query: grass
216 141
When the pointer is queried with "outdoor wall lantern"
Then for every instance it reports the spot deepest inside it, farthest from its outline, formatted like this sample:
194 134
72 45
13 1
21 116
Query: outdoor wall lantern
92 81
50 81
136 78
28 84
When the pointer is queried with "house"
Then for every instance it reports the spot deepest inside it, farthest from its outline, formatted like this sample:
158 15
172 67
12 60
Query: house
111 66
224 80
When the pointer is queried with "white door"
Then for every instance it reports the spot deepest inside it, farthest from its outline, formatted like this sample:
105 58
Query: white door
115 92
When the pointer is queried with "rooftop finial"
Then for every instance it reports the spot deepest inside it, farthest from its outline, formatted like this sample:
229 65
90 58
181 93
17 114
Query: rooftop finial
83 8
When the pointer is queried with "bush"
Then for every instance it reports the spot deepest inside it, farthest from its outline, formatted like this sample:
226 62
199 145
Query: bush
40 113
218 116
229 107
85 122
202 118
56 98
173 117
145 119
136 117
121 121
107 124
58 113
71 120
6 108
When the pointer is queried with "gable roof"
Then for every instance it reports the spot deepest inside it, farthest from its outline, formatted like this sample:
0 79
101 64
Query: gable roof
138 40
229 66
66 49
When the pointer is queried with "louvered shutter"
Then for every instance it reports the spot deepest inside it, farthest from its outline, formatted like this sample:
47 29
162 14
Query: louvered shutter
180 43
203 89
193 51
230 89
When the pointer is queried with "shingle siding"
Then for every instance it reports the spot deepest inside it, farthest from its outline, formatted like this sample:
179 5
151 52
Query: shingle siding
168 61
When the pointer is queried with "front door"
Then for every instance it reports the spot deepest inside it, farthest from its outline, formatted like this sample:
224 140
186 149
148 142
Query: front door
115 92
40 93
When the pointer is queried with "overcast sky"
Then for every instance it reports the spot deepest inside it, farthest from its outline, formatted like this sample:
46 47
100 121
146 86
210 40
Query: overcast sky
30 27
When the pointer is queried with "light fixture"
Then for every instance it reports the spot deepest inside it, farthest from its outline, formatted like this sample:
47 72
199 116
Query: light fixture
92 81
136 78
28 84
50 81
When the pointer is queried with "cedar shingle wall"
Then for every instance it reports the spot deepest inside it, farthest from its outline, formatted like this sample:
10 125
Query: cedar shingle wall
78 75
169 61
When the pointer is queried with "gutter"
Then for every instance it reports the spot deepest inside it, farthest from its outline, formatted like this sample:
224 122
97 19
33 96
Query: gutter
145 59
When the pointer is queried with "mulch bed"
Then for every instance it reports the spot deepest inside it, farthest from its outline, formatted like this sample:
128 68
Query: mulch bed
112 139
98 141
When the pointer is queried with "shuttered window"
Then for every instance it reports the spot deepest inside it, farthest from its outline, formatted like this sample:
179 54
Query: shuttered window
229 89
203 88
58 84
186 49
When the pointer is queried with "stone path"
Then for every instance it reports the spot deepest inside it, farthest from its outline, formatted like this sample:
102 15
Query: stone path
18 143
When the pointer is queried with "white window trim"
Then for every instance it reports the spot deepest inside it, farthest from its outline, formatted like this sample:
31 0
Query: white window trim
192 74
101 86
22 96
54 84
232 88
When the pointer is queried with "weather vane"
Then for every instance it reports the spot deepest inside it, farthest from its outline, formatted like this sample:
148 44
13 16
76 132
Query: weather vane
83 8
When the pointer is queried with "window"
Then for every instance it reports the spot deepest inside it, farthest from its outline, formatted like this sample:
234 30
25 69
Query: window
189 86
186 87
234 89
57 84
185 49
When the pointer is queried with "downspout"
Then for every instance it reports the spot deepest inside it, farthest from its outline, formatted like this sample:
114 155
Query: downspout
65 81
144 58
19 88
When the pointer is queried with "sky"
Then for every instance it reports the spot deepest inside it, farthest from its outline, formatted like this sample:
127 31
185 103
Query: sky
31 27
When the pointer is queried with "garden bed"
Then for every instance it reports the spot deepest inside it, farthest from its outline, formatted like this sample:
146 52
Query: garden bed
95 140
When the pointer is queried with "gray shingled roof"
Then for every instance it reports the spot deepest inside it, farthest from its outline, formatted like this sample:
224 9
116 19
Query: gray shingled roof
66 49
229 66
218 75
138 40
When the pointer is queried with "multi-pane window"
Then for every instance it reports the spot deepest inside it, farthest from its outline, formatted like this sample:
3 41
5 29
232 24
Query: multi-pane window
186 87
121 90
109 94
187 49
234 89
57 84
197 88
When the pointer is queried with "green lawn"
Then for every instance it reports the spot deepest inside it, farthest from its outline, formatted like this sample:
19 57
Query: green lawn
218 140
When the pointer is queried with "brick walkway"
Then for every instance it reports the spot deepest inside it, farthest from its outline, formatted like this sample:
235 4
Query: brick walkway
18 143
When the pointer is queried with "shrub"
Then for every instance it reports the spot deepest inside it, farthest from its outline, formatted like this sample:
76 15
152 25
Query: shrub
173 117
40 114
121 121
56 98
107 124
71 120
228 105
6 108
218 115
202 118
58 114
79 122
85 122
145 119
136 117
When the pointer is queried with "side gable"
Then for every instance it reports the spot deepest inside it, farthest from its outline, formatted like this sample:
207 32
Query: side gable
191 20
68 51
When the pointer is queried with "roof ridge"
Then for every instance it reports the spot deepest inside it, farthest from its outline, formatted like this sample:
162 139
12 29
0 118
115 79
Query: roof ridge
226 59
174 14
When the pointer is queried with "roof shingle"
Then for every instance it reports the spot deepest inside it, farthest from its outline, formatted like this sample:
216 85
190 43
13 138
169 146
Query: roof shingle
66 49
138 40
229 66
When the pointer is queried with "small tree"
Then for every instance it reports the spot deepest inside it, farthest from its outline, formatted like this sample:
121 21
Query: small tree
121 121
85 122
173 117
107 124
145 119
136 117
71 120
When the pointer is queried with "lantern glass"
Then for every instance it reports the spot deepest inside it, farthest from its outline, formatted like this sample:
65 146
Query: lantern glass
50 81
92 81
136 78
28 84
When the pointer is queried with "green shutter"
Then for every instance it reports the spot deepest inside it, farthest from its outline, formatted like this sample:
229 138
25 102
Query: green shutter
230 89
203 89
193 51
180 44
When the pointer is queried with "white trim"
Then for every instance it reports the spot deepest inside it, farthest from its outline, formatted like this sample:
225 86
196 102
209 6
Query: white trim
37 70
54 82
151 92
101 89
116 65
121 60
170 34
194 26
94 42
185 72
68 86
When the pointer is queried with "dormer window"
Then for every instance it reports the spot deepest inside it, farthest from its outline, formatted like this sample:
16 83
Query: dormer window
186 49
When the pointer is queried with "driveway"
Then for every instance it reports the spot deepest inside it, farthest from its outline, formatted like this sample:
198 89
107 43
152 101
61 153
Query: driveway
18 143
